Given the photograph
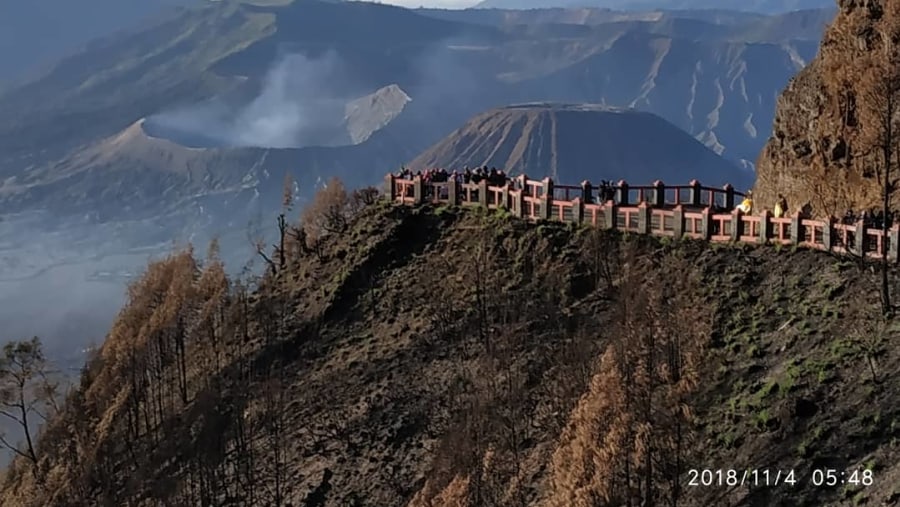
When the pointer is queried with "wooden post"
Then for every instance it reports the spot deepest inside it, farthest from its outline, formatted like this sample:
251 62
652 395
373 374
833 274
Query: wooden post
546 199
737 225
577 210
659 194
695 197
418 190
765 226
644 217
678 222
622 193
389 187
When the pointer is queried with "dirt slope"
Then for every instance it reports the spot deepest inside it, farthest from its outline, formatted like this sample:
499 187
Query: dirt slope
397 383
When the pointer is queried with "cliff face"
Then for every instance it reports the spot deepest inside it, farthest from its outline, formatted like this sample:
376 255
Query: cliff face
824 148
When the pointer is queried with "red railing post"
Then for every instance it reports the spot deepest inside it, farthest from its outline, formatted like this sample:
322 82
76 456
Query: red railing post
518 204
737 225
729 196
483 193
695 196
610 214
659 194
546 199
797 228
622 193
418 190
587 192
453 192
765 226
706 223
577 210
827 230
644 218
389 186
861 239
893 252
678 222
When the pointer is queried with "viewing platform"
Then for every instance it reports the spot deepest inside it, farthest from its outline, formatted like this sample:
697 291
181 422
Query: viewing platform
691 211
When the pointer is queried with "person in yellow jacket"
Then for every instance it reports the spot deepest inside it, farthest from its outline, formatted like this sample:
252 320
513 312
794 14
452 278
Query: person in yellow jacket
746 205
781 207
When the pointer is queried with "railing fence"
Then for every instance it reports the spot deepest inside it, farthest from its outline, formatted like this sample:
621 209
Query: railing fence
675 211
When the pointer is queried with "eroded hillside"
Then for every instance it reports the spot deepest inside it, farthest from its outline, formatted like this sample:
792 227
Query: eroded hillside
440 357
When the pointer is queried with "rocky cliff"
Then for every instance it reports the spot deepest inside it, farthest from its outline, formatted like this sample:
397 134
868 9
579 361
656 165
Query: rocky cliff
824 148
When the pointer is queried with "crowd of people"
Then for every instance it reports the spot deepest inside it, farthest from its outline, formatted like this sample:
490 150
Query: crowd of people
872 218
495 177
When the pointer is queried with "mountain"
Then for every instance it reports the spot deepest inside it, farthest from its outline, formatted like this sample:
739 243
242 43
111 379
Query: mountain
825 145
185 126
719 90
133 175
759 6
576 142
37 32
363 375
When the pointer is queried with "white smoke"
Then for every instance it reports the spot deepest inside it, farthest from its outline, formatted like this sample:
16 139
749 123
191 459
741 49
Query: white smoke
293 108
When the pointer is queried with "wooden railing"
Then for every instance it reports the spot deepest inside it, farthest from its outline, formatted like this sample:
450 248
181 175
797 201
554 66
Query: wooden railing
691 210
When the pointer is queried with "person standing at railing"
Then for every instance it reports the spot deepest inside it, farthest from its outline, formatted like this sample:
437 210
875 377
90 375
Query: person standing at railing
746 205
781 207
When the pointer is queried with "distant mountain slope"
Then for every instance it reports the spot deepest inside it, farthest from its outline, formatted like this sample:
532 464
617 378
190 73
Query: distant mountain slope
729 25
33 32
133 175
713 74
760 6
574 142
722 93
202 54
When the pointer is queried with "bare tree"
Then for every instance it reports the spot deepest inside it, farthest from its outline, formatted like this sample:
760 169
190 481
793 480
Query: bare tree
879 99
328 213
639 400
287 204
27 393
869 338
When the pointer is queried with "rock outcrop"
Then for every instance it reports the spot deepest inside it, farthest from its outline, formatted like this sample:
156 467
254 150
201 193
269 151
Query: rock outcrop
824 149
